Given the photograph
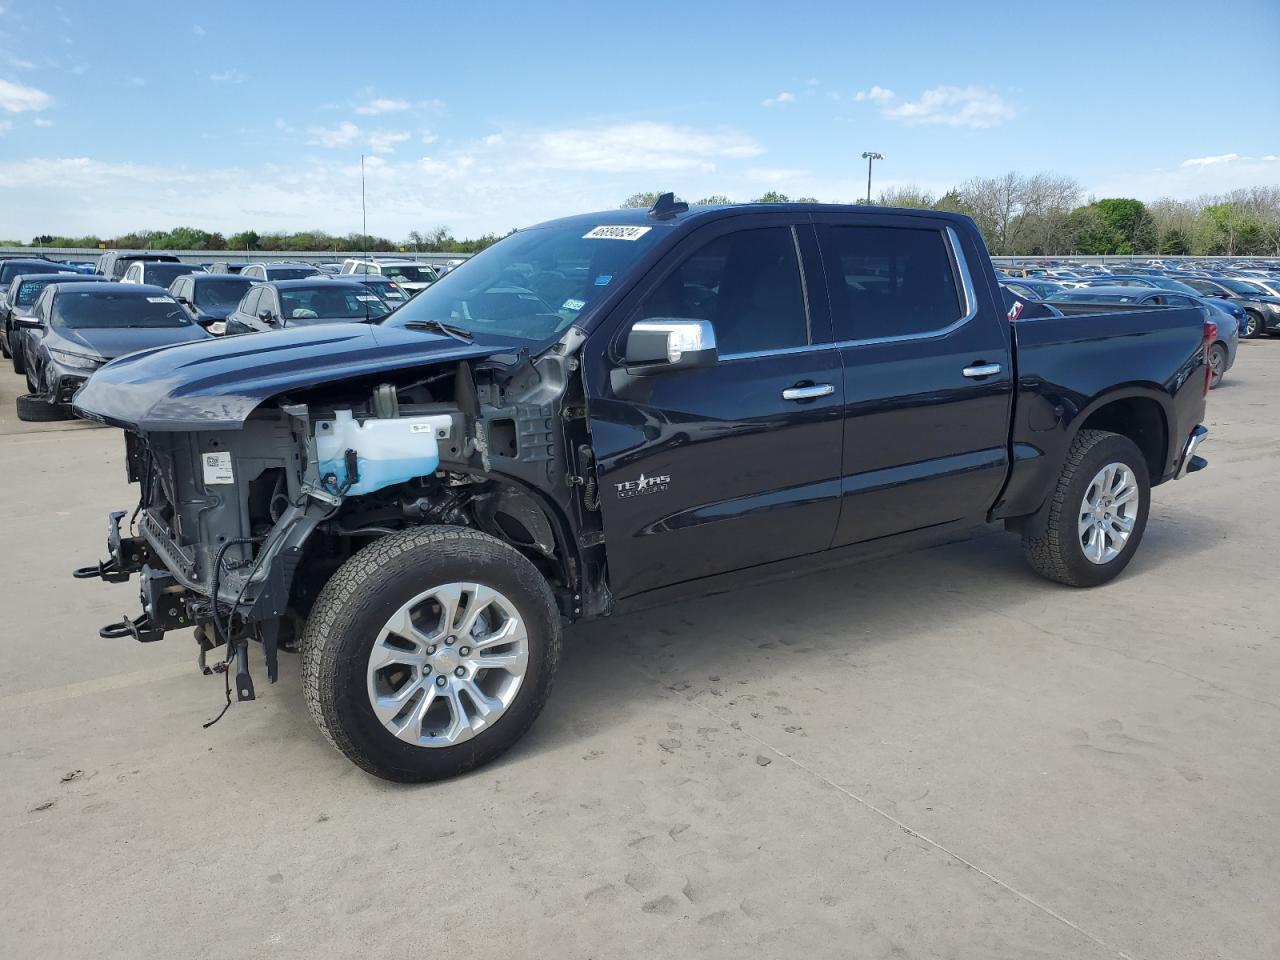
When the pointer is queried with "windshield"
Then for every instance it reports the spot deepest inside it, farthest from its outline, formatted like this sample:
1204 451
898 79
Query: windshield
291 273
220 294
29 290
387 290
163 274
10 270
1243 286
407 273
534 284
1098 297
1168 283
79 311
331 302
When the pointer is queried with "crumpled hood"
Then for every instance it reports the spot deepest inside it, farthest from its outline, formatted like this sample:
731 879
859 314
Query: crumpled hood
217 383
112 342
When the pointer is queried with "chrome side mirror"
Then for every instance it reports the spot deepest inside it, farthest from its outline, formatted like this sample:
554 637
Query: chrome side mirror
660 344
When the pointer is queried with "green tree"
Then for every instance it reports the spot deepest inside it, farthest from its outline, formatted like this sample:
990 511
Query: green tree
643 200
773 196
716 199
1130 223
1175 243
244 240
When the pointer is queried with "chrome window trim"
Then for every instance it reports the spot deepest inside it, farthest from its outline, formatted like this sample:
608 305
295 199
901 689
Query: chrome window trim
961 267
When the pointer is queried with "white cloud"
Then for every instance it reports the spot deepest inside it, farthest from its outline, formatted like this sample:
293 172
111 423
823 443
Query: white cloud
5 126
198 30
1191 178
384 141
18 63
380 105
642 147
974 107
339 136
1211 161
429 137
784 97
42 122
228 76
16 98
877 94
493 140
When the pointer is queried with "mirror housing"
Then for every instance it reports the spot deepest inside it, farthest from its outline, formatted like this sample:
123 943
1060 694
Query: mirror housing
659 345
266 316
29 322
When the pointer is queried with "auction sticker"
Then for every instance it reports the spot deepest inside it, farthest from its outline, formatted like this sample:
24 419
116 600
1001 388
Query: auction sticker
217 468
616 233
161 300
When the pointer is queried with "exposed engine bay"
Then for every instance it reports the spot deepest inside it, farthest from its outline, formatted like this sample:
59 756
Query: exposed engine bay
237 531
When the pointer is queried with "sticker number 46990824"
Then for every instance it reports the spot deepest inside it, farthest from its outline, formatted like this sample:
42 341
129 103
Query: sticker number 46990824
620 232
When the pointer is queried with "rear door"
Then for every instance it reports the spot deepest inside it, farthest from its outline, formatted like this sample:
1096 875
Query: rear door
709 470
927 374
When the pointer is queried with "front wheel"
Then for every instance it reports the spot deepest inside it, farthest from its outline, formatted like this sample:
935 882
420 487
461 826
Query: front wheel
15 357
430 652
1254 326
1096 515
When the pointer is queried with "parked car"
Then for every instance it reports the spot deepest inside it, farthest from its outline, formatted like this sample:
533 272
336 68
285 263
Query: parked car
1222 349
209 298
333 269
75 328
279 271
114 263
1262 311
1034 289
722 397
17 302
222 266
158 274
411 275
291 303
23 266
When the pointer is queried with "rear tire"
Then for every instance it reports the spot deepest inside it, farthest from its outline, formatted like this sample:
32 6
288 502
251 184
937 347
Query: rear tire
1217 364
18 361
350 631
1083 516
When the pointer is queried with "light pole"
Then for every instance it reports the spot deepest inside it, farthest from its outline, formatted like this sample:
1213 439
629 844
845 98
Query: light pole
868 156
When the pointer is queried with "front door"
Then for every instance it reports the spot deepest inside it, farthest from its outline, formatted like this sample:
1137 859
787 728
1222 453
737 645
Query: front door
715 469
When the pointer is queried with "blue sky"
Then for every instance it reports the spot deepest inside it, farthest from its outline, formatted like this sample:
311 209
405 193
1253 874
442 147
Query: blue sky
485 116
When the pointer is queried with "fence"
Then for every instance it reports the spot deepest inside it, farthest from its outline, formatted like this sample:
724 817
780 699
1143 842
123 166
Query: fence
91 254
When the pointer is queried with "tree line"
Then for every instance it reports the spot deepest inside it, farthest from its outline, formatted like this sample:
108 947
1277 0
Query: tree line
438 240
1044 214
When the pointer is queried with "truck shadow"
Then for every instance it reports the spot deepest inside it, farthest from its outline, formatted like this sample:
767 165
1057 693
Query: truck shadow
718 648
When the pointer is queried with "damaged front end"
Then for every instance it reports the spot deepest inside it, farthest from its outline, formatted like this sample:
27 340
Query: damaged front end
238 530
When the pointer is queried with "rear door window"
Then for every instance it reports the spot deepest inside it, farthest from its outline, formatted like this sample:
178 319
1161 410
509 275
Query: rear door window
891 281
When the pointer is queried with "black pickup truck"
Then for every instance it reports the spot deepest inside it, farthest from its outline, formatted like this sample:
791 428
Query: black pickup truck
608 410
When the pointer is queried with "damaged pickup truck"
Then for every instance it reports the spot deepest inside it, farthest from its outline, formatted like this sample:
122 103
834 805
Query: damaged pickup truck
610 410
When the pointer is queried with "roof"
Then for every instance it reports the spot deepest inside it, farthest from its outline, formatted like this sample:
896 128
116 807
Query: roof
322 282
61 277
111 286
699 214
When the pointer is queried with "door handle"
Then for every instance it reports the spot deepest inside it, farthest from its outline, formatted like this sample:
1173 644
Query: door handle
982 370
810 392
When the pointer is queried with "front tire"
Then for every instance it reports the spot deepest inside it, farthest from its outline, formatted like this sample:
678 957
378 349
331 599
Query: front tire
1092 524
1254 325
430 652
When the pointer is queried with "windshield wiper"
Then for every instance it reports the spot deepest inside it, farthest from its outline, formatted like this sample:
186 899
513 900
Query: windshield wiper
440 326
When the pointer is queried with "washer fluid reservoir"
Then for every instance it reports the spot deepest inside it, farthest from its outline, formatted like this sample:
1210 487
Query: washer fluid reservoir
388 451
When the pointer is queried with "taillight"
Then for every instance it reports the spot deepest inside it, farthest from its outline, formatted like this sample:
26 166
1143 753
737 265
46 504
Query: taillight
1210 335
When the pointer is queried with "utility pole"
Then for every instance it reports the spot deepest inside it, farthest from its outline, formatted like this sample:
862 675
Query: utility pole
868 156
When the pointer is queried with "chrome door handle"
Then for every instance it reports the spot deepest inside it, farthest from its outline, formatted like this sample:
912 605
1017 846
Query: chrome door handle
808 393
982 370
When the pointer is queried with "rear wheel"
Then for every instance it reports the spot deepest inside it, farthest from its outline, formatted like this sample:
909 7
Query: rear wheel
36 409
430 652
1217 364
16 358
1095 518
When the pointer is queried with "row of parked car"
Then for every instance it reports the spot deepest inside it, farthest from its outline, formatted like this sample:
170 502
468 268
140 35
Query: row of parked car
58 324
1243 297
